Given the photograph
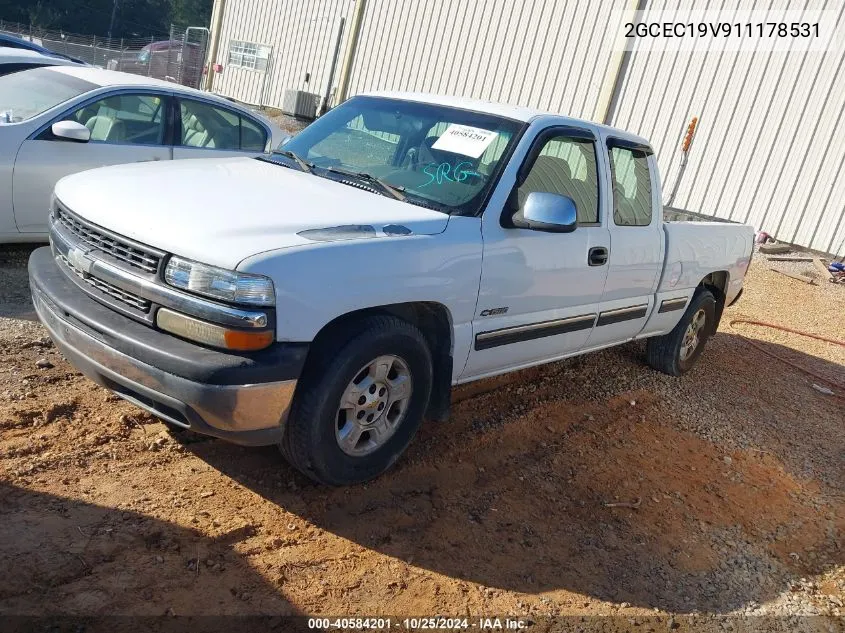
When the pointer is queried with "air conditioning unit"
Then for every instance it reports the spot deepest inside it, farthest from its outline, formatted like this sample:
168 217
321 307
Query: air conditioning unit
300 104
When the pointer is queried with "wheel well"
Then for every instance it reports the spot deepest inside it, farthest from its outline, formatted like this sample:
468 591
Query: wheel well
435 322
717 283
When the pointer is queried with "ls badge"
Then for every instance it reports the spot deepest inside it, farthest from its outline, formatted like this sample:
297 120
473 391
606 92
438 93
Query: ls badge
493 311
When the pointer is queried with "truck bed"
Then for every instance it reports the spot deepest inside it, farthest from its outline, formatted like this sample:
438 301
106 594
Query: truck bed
694 249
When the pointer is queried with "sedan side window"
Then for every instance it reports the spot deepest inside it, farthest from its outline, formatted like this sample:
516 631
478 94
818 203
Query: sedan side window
253 136
124 119
566 166
208 127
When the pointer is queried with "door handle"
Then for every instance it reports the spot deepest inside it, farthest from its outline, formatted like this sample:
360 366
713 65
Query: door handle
597 256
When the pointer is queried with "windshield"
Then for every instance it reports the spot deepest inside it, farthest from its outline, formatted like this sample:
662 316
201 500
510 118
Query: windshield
27 94
437 156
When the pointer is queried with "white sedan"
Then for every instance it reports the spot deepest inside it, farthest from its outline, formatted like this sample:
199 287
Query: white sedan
60 120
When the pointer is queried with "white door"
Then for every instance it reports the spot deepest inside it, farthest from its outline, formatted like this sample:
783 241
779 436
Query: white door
125 128
637 243
208 131
540 291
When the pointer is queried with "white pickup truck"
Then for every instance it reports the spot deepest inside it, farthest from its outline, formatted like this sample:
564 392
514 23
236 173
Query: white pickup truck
327 297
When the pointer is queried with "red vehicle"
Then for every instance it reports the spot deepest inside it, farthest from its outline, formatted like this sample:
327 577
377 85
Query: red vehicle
171 60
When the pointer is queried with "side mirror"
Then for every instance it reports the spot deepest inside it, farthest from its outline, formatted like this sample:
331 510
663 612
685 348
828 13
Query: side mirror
550 212
71 131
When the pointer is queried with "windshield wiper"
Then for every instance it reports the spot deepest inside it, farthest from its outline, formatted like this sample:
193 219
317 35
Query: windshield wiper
394 191
303 164
430 204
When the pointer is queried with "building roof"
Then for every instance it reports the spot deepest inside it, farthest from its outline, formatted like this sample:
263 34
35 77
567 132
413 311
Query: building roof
518 113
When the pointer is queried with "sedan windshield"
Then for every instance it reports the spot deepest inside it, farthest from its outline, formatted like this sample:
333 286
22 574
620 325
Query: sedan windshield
27 94
435 156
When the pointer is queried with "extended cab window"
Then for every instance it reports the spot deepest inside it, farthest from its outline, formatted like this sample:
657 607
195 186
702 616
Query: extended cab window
565 166
437 156
632 204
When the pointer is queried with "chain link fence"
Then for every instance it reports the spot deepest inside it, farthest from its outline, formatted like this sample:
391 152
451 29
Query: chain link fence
178 56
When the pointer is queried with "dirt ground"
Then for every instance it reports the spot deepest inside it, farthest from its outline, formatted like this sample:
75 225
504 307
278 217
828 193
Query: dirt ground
729 484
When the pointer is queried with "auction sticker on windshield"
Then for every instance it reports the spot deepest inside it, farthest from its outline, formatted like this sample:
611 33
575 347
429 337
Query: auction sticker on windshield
465 139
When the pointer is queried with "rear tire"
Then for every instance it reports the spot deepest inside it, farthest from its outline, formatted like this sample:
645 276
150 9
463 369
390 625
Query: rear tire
359 402
675 353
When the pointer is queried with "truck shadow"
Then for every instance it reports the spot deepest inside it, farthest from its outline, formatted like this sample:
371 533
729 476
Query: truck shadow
66 558
732 502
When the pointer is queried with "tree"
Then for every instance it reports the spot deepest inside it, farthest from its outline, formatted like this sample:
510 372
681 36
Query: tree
134 18
192 13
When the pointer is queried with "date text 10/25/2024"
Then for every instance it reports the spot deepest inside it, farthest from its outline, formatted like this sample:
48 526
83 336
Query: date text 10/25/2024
418 624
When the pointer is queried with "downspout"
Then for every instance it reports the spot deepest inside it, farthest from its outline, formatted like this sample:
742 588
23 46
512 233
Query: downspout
324 106
216 28
351 49
618 66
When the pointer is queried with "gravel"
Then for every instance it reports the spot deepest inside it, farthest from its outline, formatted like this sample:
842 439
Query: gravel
289 124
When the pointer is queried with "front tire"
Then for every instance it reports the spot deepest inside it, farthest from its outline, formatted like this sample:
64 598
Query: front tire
675 353
360 401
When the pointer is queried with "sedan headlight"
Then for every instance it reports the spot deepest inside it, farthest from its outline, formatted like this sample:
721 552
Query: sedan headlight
219 283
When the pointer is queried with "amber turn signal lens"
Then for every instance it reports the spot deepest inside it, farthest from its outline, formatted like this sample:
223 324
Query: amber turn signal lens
246 341
211 333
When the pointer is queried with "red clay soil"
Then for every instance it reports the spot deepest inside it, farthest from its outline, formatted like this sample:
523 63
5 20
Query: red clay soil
588 487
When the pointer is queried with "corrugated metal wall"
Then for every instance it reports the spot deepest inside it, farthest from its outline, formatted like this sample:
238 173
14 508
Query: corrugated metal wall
768 151
303 35
488 49
544 53
770 145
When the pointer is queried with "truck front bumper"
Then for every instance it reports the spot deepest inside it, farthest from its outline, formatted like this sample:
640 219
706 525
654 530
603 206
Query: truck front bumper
242 398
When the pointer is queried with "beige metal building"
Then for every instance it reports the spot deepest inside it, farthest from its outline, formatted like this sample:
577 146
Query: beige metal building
769 147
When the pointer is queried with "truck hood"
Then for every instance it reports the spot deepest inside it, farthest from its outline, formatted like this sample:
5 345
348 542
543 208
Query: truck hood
221 211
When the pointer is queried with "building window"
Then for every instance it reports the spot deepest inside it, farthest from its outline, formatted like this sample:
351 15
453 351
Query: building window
248 55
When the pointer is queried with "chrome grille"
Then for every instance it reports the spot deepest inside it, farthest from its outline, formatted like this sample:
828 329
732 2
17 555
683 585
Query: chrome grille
119 249
132 300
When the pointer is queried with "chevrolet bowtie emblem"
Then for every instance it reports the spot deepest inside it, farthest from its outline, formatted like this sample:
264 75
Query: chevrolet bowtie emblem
79 259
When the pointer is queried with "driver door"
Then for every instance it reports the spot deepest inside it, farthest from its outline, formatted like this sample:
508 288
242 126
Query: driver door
540 291
125 128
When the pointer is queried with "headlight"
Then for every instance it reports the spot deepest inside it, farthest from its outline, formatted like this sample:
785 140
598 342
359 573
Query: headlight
219 283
